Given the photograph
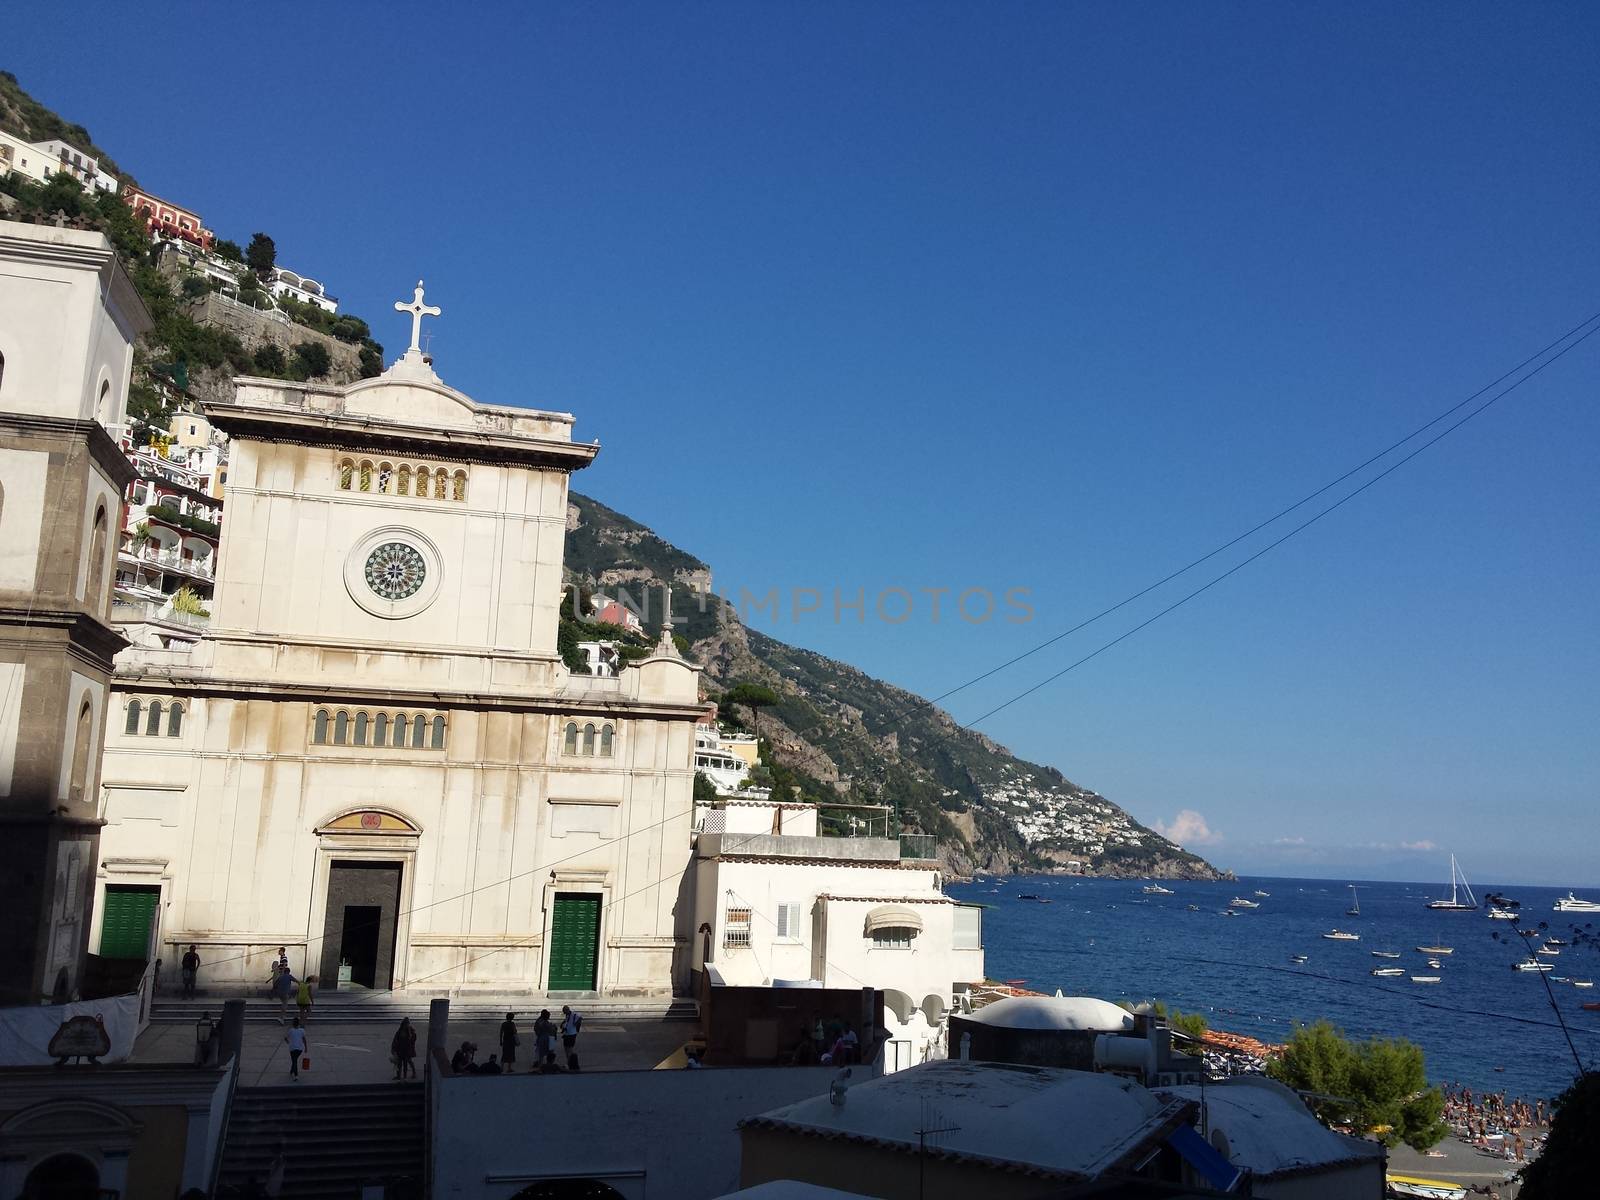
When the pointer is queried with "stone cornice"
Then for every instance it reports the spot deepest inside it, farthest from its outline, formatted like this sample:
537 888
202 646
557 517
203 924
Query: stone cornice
365 435
443 698
100 642
105 452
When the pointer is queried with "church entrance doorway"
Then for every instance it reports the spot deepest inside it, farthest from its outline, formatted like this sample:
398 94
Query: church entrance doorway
574 941
359 928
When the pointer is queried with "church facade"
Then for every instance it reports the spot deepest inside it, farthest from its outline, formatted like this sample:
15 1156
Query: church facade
376 757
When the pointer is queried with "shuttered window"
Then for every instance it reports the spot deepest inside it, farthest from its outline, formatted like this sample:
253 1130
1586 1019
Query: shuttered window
968 934
789 921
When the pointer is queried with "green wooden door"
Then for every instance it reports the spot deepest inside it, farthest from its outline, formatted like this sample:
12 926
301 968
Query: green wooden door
125 928
574 942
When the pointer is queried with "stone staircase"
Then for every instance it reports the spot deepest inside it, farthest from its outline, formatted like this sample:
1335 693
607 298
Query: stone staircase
335 1140
388 1008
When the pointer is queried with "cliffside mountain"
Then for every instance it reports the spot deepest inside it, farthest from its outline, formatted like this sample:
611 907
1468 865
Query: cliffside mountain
838 734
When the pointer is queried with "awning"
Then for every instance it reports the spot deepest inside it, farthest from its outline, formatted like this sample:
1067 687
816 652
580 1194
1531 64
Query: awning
1205 1158
893 916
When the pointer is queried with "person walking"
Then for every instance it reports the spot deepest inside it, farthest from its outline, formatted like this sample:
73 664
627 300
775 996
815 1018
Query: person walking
509 1041
191 969
303 999
544 1036
298 1043
571 1025
404 1049
282 988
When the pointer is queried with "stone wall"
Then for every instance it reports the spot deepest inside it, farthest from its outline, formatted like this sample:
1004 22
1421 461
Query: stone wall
256 328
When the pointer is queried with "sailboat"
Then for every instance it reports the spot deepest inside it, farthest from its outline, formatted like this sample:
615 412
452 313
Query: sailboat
1355 903
1458 884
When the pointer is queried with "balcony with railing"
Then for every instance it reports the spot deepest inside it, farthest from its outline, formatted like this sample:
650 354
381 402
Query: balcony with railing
858 833
125 611
169 560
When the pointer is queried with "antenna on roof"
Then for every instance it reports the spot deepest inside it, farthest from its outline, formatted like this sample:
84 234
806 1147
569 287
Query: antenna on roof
932 1125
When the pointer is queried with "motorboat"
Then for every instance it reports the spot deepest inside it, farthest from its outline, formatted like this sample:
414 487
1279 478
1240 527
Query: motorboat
1299 959
1424 979
1547 950
1571 903
1502 914
1194 908
1583 983
1434 963
1155 889
1387 971
1413 1187
1458 885
1259 892
1386 954
1554 942
1227 912
1339 935
1241 902
1533 964
1590 1006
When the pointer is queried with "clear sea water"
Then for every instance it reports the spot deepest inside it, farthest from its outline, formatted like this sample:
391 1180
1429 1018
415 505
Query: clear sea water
1484 1024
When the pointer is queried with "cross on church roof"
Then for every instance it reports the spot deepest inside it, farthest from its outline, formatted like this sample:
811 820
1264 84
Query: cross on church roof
418 310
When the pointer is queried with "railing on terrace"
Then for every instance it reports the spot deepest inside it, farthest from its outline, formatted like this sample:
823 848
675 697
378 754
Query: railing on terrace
198 567
146 610
918 845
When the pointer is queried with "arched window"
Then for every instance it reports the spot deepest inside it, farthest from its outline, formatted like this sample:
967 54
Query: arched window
361 729
366 476
380 730
403 483
400 729
80 752
419 731
132 726
347 470
588 738
458 486
97 562
319 728
341 729
438 733
570 743
439 483
606 734
153 725
383 479
422 483
175 720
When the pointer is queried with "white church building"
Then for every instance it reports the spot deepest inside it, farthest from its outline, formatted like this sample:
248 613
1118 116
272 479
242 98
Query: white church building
375 756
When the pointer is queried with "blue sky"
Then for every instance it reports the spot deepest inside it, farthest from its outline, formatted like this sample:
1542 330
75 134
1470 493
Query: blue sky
1051 297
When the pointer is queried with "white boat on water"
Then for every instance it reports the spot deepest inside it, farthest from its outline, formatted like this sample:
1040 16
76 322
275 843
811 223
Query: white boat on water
1386 954
1501 914
1554 942
1533 964
1547 950
1436 949
1387 971
1412 1187
1583 983
1299 959
1259 892
1155 889
1339 935
1571 903
1458 885
1434 964
1424 979
1241 902
1355 903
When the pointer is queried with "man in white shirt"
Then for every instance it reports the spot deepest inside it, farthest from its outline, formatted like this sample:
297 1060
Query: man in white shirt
571 1023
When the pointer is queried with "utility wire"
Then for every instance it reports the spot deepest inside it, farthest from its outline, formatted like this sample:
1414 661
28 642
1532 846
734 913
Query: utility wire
1298 529
919 703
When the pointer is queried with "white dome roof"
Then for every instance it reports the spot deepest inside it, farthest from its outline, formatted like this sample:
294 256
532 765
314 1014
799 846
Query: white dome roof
1053 1012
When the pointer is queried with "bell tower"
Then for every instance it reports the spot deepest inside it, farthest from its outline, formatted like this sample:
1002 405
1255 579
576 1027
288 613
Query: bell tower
69 316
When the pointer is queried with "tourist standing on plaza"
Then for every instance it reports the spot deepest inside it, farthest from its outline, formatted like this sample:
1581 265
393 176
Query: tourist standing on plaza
404 1047
191 968
509 1040
303 999
544 1036
298 1042
571 1024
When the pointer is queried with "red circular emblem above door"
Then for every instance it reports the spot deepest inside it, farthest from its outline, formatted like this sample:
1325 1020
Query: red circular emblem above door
371 821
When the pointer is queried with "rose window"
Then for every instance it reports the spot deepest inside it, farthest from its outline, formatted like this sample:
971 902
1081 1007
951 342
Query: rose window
395 571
